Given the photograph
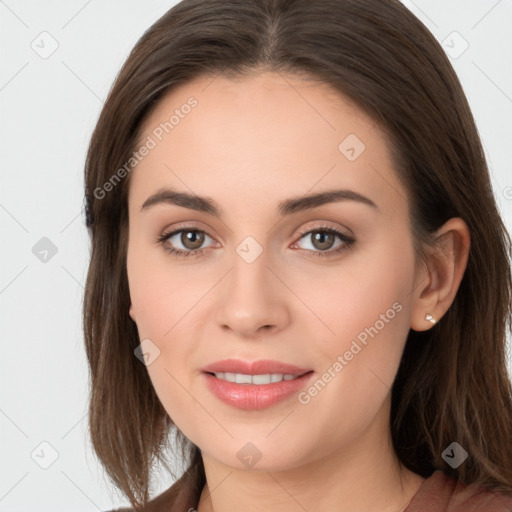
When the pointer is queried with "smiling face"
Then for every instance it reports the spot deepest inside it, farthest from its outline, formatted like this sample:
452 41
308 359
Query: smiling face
325 286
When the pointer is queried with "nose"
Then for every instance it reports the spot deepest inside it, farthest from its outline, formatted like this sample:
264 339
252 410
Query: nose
252 300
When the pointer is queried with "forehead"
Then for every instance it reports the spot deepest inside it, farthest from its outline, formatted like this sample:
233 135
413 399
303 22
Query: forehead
264 134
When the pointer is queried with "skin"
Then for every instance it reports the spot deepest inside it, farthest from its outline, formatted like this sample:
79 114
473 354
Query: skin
250 143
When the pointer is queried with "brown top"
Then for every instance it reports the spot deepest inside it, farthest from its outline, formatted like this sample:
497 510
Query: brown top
437 493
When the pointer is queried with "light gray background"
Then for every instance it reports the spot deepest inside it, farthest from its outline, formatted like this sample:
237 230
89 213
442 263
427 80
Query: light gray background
48 109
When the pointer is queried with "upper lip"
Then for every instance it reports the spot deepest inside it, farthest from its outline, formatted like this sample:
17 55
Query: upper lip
261 367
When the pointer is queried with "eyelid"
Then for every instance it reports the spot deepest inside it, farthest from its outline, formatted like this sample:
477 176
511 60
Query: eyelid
326 225
308 228
184 226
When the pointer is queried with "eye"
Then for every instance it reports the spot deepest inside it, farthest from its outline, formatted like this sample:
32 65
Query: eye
192 239
189 237
323 239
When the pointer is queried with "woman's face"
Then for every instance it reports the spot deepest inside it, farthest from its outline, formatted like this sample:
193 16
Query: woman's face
265 280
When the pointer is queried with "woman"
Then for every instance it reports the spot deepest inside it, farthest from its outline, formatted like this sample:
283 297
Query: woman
297 267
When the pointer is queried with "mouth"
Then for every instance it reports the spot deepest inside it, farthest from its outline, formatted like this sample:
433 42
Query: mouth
258 380
253 392
253 368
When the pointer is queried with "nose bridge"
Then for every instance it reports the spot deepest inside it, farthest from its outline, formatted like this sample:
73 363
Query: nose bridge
251 299
250 276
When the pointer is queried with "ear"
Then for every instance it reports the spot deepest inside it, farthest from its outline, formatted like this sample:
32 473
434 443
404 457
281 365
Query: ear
437 285
132 312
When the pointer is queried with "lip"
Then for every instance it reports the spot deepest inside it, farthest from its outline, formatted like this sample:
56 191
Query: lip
260 367
255 396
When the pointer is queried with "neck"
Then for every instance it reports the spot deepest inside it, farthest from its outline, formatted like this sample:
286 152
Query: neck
365 475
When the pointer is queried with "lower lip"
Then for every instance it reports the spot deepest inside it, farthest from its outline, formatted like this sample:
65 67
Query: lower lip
255 396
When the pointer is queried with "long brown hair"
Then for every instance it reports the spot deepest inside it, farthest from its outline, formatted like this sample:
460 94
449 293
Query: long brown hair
452 384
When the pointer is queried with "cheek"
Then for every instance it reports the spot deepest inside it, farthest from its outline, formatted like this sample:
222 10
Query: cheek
366 296
161 292
163 297
172 384
367 312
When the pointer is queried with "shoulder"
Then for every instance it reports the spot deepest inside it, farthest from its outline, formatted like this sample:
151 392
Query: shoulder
440 493
182 496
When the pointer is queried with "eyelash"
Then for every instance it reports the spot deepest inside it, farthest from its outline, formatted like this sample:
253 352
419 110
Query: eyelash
348 241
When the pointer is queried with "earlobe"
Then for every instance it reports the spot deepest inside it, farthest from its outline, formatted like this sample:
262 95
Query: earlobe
425 302
446 265
430 318
132 312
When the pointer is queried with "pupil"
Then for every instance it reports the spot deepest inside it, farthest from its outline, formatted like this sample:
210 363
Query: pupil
322 237
189 238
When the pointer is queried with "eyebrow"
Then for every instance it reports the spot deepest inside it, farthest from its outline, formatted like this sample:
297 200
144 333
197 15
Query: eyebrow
285 208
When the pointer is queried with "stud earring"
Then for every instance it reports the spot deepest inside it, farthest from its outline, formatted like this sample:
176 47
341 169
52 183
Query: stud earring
431 319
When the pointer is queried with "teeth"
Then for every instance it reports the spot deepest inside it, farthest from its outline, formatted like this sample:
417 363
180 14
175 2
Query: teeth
241 378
